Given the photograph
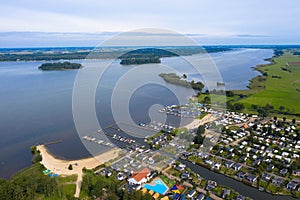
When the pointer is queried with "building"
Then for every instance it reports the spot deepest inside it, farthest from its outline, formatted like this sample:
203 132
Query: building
252 178
296 172
291 185
191 193
140 177
283 171
229 164
200 197
225 192
237 167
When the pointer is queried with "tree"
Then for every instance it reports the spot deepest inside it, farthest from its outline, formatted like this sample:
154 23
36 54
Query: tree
36 158
206 100
112 197
238 107
281 108
201 130
254 106
269 107
198 139
229 93
70 167
262 112
254 127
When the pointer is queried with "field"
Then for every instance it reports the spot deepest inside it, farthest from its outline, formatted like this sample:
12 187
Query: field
281 86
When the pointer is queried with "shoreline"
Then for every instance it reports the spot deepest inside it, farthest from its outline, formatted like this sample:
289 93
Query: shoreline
60 166
197 122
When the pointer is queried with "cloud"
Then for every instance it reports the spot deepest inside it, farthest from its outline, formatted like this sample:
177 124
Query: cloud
201 20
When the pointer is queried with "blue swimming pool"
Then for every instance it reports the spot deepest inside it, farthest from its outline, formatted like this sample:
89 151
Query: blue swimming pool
159 187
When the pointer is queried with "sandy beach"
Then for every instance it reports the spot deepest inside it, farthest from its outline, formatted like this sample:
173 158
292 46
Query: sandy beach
197 122
60 166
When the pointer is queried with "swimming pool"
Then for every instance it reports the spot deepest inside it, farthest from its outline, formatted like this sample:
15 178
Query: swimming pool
159 187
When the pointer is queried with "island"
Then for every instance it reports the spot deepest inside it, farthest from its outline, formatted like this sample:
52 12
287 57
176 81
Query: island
177 80
59 66
144 56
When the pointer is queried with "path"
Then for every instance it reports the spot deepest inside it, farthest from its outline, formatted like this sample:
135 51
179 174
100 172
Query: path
60 166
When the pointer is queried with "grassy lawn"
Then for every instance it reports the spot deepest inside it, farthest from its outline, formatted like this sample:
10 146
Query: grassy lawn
174 172
67 179
216 98
278 91
272 188
263 184
167 181
68 190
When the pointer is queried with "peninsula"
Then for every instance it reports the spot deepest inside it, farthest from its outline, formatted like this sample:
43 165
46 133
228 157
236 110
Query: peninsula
177 80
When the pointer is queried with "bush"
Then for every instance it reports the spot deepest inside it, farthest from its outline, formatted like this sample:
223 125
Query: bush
37 158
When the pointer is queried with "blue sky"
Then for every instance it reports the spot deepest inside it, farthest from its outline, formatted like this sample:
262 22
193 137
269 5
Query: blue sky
86 23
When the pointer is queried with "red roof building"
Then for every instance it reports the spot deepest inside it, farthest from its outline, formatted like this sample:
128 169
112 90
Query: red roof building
140 177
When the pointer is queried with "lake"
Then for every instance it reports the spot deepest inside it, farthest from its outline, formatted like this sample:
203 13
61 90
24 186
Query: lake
36 106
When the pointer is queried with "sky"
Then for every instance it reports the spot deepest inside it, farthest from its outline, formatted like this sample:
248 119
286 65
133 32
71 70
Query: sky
34 23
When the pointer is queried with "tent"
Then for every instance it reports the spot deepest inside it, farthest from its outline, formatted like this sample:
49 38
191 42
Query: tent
156 195
165 198
144 190
46 172
176 189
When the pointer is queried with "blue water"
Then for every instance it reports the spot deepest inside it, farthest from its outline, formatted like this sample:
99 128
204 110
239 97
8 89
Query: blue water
36 106
159 187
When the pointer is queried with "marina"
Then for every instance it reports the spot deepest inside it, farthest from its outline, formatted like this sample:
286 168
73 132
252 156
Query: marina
45 112
185 111
95 140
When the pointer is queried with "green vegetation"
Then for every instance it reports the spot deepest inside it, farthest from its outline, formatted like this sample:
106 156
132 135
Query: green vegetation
59 66
30 183
89 53
37 156
94 186
43 56
167 181
280 95
177 80
275 92
144 56
140 60
199 135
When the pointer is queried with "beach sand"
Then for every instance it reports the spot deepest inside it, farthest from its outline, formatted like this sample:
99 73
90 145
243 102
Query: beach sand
197 122
60 166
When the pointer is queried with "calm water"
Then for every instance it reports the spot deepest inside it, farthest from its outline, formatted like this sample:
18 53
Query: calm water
36 106
234 184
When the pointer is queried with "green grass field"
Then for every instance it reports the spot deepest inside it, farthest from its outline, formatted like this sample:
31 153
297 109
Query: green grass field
277 91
